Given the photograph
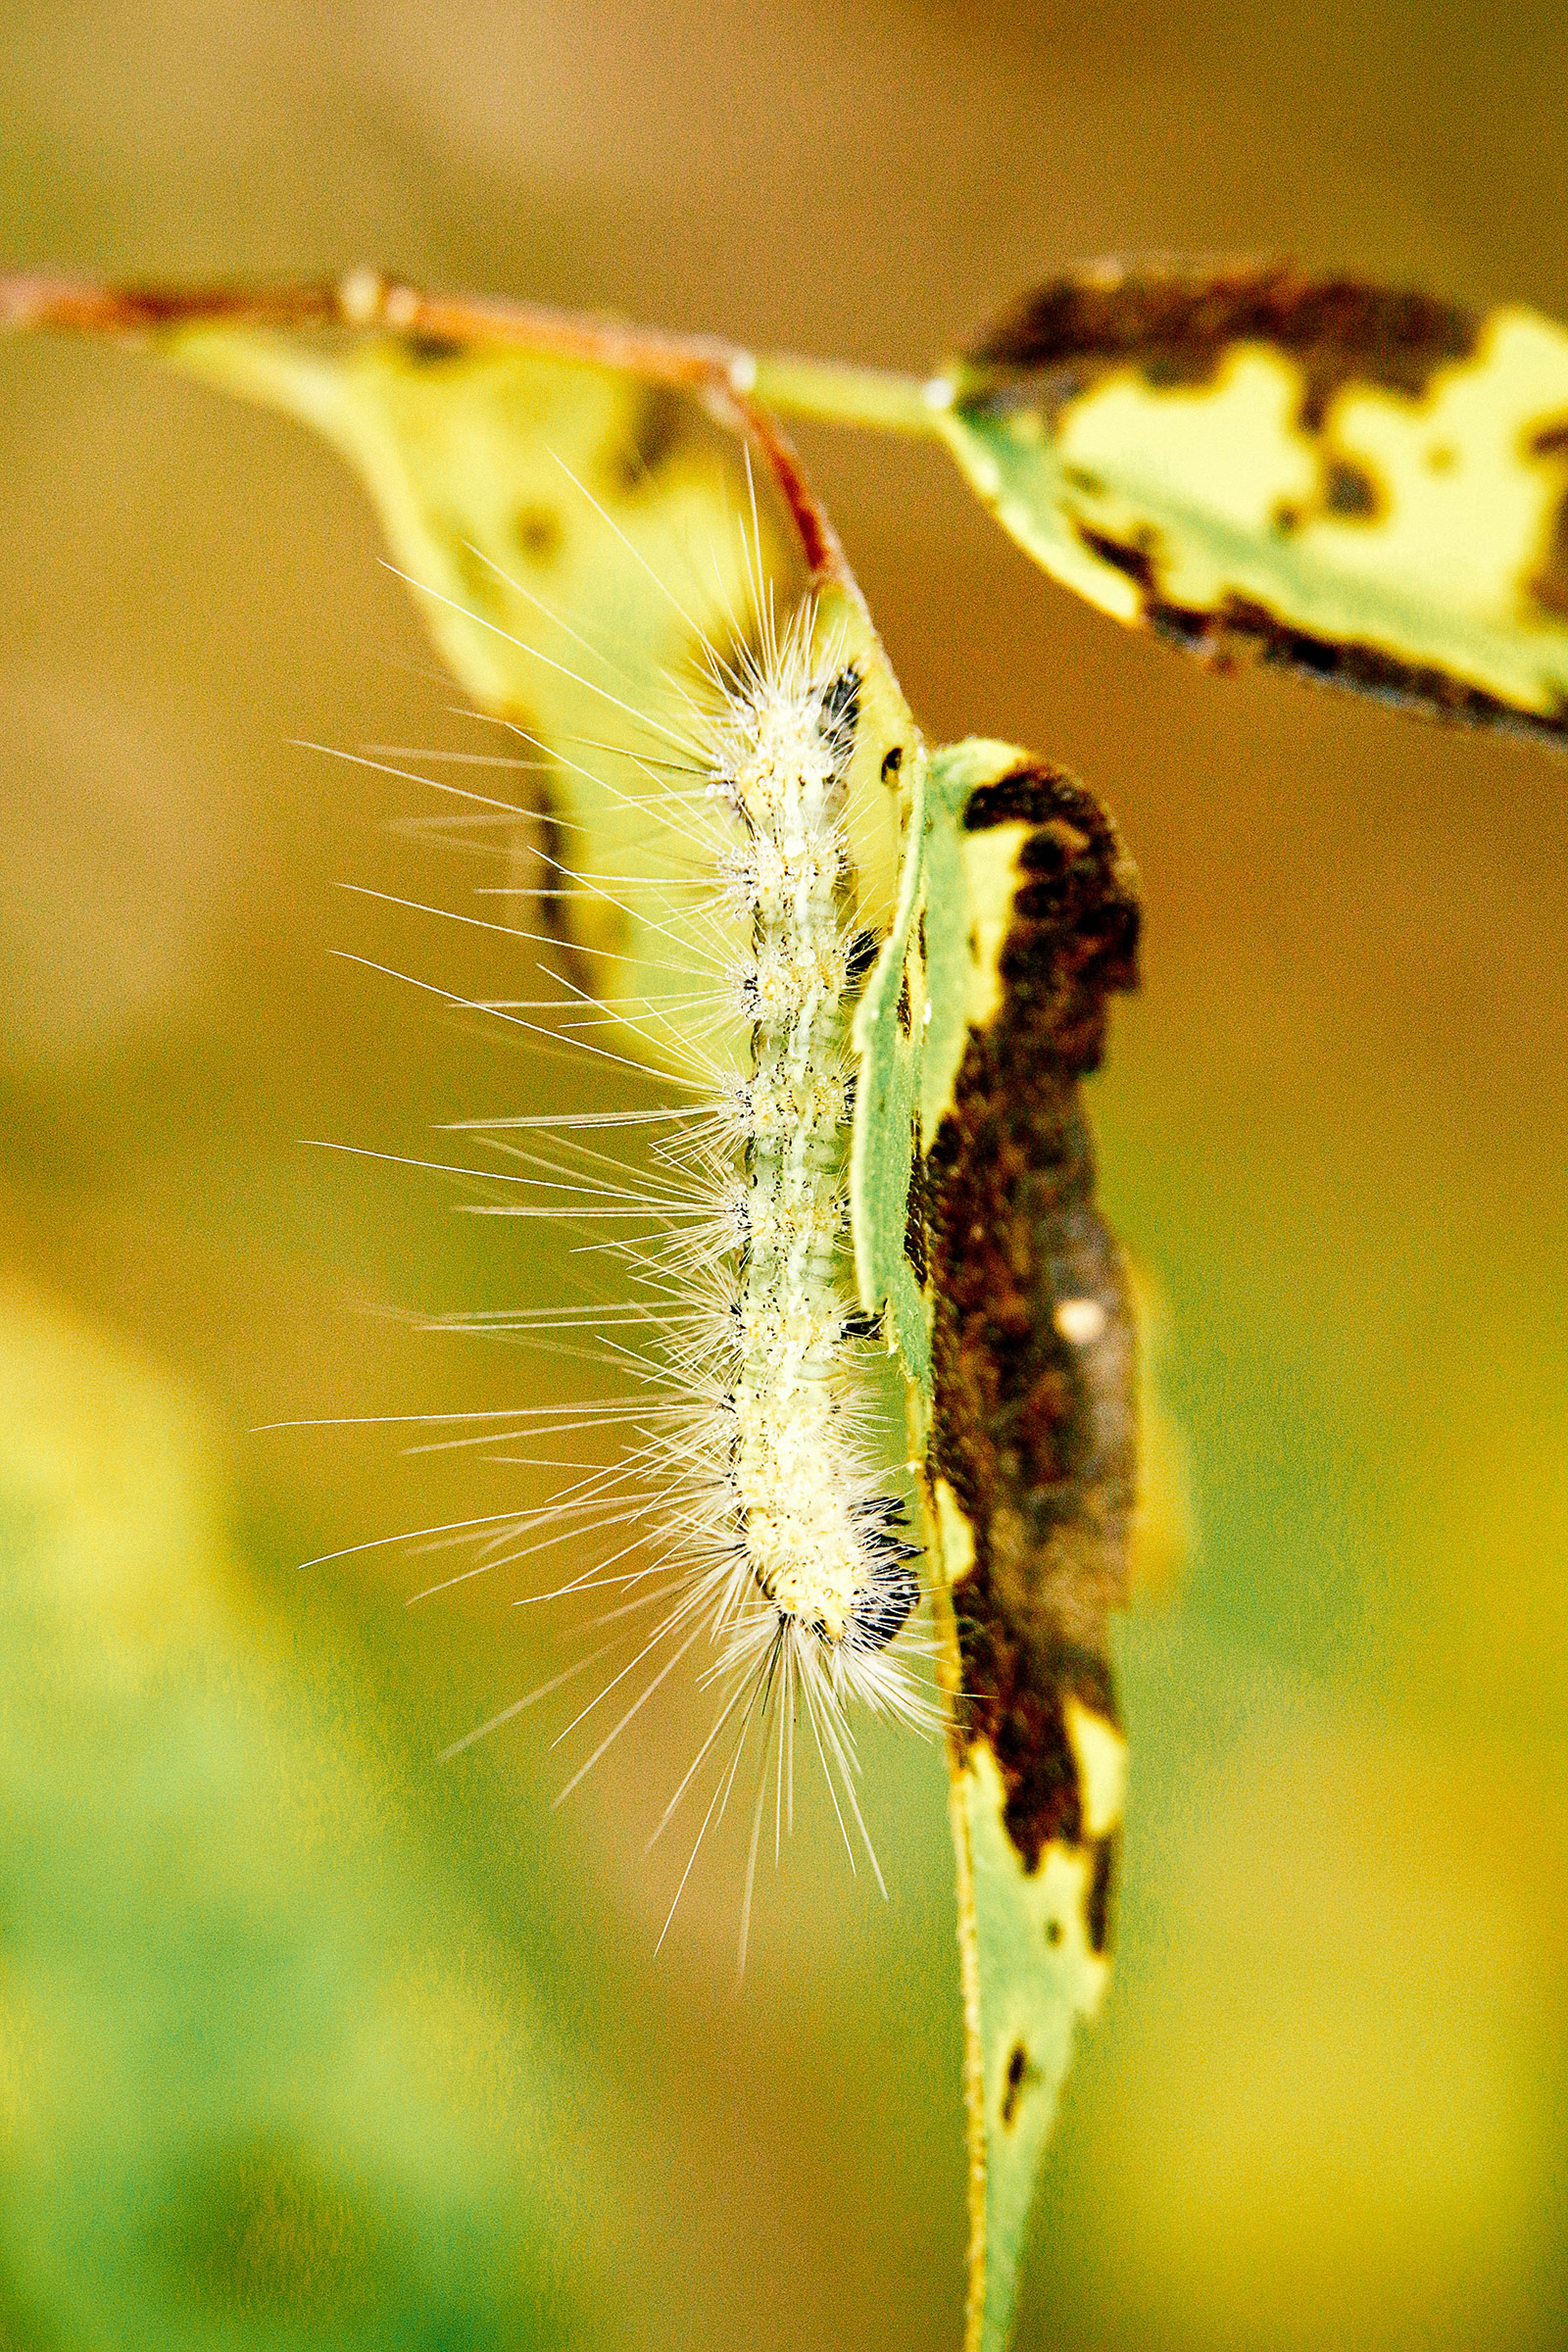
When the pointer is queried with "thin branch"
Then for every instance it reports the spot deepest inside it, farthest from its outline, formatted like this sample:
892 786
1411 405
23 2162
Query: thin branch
732 383
365 297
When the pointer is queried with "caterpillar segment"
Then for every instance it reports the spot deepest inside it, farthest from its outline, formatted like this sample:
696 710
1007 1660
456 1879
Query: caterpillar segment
820 1547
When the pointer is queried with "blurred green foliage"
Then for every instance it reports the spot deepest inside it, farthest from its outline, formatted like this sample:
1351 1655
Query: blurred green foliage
249 2097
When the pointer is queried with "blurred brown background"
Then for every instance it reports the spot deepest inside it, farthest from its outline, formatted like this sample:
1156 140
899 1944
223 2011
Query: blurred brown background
1328 2102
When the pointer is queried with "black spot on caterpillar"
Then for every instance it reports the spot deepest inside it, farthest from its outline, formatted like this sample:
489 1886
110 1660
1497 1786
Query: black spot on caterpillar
862 953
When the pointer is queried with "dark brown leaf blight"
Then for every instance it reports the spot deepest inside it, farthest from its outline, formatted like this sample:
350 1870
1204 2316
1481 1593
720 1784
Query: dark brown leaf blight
1179 324
1033 1425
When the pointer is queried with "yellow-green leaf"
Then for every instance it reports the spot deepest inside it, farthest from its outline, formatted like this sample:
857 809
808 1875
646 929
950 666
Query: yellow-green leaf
890 1028
1036 1977
585 547
578 541
1368 487
1032 921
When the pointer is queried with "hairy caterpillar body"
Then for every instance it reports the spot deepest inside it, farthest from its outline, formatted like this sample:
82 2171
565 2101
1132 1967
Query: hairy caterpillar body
750 1516
820 1545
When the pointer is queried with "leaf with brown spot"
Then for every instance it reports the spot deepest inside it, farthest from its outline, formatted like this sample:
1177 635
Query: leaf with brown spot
574 539
1367 488
1032 920
584 545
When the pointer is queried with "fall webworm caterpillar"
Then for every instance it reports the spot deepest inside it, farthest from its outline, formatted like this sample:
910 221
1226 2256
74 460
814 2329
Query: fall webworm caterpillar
748 1523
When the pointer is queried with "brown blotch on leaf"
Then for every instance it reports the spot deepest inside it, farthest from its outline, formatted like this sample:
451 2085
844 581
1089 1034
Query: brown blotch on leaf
1096 1910
1241 629
434 351
1012 2091
543 866
1035 1432
538 533
914 1241
1136 561
1178 326
662 421
1351 492
1549 585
